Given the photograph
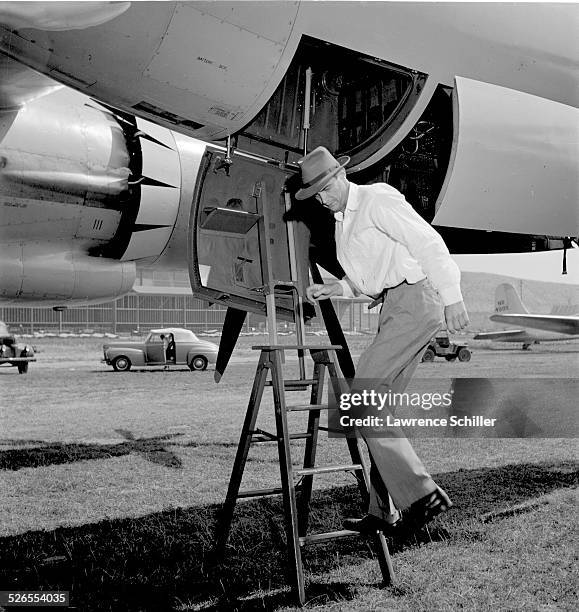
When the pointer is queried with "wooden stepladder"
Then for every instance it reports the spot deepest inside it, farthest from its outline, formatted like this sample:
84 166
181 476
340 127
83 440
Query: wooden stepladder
296 495
269 372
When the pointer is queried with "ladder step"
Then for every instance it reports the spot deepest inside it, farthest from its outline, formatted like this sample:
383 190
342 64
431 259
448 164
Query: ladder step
295 385
310 407
297 347
262 492
327 469
264 437
317 538
331 430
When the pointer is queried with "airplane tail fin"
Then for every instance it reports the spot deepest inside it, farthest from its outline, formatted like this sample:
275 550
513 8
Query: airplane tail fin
507 300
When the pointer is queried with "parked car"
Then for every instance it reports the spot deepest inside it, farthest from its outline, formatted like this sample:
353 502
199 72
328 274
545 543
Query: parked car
172 346
441 346
12 353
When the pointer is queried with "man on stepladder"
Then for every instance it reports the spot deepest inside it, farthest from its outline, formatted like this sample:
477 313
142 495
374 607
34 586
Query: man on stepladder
391 254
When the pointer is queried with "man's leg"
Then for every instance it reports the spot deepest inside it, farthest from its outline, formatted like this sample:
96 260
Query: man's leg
409 318
381 504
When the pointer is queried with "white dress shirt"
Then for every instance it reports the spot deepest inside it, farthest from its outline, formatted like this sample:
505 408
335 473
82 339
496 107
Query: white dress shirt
381 241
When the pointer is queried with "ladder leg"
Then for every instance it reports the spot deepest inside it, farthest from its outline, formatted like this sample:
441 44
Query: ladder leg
286 472
362 476
364 485
226 517
385 560
354 446
311 448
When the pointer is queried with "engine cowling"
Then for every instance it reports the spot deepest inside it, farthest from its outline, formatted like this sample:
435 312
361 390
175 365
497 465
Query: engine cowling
38 273
85 193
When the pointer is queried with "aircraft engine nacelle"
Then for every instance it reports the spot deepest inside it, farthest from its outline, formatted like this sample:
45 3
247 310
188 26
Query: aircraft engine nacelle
85 192
33 273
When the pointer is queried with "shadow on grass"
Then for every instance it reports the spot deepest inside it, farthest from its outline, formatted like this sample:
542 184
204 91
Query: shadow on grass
56 453
163 561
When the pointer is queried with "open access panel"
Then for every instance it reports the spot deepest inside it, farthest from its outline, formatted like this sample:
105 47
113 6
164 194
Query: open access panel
240 245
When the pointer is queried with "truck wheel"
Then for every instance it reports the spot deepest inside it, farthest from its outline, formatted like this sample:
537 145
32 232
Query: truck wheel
198 363
428 355
464 354
121 364
23 367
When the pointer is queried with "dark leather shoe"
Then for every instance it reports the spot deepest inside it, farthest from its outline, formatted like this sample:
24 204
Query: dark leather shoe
425 509
370 524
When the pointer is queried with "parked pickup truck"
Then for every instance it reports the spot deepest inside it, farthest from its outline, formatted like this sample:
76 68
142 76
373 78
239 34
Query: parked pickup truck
12 353
173 346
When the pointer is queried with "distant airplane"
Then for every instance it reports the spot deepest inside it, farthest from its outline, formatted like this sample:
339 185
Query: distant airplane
537 327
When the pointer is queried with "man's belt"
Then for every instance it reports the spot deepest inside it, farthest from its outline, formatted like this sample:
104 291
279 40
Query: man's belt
379 299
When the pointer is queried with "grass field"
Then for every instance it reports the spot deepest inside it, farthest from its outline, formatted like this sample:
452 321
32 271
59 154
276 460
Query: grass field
111 484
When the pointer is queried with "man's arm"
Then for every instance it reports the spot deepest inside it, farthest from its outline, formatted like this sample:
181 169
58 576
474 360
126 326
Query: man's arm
343 287
317 292
456 317
402 223
455 314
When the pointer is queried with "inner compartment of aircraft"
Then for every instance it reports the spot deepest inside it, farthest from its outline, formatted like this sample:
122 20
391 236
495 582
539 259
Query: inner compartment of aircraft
357 102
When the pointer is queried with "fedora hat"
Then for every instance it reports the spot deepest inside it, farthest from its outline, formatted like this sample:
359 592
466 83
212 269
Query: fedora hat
317 168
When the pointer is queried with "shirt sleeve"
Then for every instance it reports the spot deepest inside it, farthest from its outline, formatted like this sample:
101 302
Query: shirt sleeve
402 223
348 289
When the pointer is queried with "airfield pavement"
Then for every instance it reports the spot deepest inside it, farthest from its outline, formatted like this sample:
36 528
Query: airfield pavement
82 446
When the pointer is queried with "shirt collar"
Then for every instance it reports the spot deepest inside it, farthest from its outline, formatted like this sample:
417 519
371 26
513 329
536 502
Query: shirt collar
351 204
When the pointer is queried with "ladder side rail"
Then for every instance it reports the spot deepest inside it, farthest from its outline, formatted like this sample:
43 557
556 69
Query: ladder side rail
297 297
266 259
354 444
363 478
311 448
287 479
385 560
228 508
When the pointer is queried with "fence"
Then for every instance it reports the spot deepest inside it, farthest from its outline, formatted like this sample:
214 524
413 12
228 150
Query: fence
136 313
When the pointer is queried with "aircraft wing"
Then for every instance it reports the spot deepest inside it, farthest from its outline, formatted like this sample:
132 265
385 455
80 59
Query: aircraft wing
20 85
552 323
510 335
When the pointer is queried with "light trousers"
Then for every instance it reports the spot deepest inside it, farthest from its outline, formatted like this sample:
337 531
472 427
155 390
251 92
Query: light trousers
410 316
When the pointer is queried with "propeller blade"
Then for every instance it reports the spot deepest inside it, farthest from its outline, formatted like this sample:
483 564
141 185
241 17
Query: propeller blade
232 325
